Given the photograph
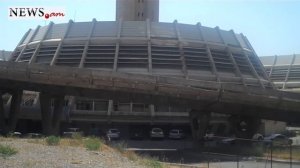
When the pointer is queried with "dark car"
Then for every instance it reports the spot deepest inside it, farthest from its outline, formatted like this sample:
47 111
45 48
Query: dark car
277 140
137 135
176 134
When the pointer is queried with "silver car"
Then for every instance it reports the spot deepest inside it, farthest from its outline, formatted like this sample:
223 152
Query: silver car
156 133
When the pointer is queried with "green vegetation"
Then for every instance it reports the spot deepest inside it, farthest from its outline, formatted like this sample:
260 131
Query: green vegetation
146 160
77 136
92 143
121 146
151 162
284 152
52 140
6 151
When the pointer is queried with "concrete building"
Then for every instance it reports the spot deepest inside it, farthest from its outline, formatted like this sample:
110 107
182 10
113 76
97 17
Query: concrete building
136 45
137 10
284 71
5 55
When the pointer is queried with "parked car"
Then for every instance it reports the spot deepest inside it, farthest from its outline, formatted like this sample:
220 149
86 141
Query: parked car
72 131
176 134
113 134
34 135
228 141
137 134
209 137
15 134
278 140
156 133
258 137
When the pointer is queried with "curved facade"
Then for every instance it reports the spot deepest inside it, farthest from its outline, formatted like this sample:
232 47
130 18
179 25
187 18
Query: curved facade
283 70
144 47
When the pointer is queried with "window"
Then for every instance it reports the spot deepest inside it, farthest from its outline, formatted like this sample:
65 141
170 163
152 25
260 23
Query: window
84 105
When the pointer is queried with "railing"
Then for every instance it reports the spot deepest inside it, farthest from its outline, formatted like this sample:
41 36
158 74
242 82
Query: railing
250 153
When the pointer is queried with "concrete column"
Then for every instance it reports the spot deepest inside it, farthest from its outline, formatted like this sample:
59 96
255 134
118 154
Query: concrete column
152 110
15 109
2 116
110 107
199 123
45 102
57 114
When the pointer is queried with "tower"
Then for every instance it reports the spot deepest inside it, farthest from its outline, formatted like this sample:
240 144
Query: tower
137 10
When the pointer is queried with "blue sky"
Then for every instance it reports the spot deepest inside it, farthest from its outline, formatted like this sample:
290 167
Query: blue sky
272 26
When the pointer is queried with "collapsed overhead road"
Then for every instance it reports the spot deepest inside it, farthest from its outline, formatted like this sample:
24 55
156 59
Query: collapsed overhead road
199 95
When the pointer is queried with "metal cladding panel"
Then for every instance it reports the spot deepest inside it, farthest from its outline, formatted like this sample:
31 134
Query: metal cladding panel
134 29
189 32
163 30
242 42
297 60
229 38
81 29
29 36
57 31
284 60
105 29
267 61
211 35
39 35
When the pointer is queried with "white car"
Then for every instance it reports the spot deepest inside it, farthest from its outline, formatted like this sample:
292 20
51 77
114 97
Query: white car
176 134
156 133
71 132
113 134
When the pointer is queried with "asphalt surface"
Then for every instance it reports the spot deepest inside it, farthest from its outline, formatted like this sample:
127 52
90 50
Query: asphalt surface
182 152
247 164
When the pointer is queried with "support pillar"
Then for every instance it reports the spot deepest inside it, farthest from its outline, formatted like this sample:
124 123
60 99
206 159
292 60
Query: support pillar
2 116
199 123
51 118
15 109
57 114
152 112
45 102
110 107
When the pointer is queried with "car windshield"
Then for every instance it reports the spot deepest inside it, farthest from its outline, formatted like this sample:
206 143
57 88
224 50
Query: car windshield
175 131
156 130
114 131
274 136
73 129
